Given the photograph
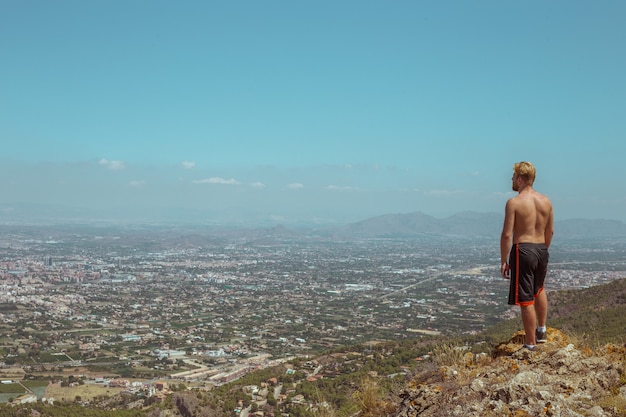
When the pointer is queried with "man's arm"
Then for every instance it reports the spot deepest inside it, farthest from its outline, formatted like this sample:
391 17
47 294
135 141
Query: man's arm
506 238
549 232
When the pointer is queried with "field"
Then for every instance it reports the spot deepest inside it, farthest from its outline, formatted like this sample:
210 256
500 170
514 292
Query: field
85 392
15 390
12 389
12 373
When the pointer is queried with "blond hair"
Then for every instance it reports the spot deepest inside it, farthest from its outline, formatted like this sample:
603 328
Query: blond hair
525 170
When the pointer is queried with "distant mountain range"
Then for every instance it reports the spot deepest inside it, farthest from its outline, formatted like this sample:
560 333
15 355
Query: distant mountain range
468 224
420 224
401 225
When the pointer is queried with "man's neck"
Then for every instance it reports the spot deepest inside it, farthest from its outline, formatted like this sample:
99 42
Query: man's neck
525 189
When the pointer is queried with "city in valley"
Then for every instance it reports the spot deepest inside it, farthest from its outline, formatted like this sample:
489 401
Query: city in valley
135 306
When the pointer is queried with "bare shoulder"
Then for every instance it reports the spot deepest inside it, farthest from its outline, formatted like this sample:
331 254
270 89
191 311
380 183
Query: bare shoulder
544 198
511 203
543 204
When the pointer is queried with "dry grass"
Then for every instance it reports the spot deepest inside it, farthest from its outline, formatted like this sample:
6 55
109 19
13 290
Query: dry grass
616 403
584 342
323 408
85 392
368 395
12 373
369 398
448 354
457 364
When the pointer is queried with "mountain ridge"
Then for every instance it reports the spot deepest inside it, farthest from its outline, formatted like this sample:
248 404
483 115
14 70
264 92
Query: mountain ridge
416 224
469 224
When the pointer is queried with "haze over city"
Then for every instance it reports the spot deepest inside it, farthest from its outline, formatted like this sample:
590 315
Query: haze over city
322 112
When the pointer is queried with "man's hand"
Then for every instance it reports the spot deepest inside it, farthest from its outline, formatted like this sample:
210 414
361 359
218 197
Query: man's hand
505 271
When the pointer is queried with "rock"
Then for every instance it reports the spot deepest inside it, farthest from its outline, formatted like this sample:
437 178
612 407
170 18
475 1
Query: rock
477 385
596 411
556 380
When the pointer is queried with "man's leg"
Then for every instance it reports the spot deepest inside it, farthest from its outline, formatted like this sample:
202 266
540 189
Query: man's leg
541 308
529 319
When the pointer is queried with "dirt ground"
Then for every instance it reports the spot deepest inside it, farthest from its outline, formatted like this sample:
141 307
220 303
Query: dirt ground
76 371
12 373
85 392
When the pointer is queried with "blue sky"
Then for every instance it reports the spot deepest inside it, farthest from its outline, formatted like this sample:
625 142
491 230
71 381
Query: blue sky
311 111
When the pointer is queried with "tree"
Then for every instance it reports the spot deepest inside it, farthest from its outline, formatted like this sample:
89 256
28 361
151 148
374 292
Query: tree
270 399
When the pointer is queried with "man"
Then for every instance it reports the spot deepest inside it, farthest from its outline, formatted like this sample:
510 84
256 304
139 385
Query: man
526 236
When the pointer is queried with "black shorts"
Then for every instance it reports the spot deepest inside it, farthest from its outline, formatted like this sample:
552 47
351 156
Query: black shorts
529 265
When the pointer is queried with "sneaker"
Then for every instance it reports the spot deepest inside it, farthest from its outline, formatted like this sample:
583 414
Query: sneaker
540 337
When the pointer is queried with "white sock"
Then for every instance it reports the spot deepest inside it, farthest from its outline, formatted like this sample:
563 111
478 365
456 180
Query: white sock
541 328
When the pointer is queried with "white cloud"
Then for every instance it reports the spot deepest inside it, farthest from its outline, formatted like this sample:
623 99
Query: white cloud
257 185
339 188
362 167
295 186
443 192
217 180
188 165
112 165
137 183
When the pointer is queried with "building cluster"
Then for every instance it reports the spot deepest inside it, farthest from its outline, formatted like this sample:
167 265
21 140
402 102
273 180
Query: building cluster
208 309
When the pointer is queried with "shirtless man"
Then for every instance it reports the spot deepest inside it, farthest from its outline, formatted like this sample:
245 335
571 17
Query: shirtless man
526 236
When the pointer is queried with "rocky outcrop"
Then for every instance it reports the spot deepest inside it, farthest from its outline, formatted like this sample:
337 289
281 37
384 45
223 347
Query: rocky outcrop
557 379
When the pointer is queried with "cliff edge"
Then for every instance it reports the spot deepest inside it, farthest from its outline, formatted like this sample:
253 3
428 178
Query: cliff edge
557 379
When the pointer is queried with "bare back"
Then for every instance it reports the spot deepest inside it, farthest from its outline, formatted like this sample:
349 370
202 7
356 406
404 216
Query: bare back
532 217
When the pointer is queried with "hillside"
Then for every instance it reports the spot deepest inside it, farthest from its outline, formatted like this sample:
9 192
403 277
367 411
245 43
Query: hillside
560 379
574 374
583 374
596 314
